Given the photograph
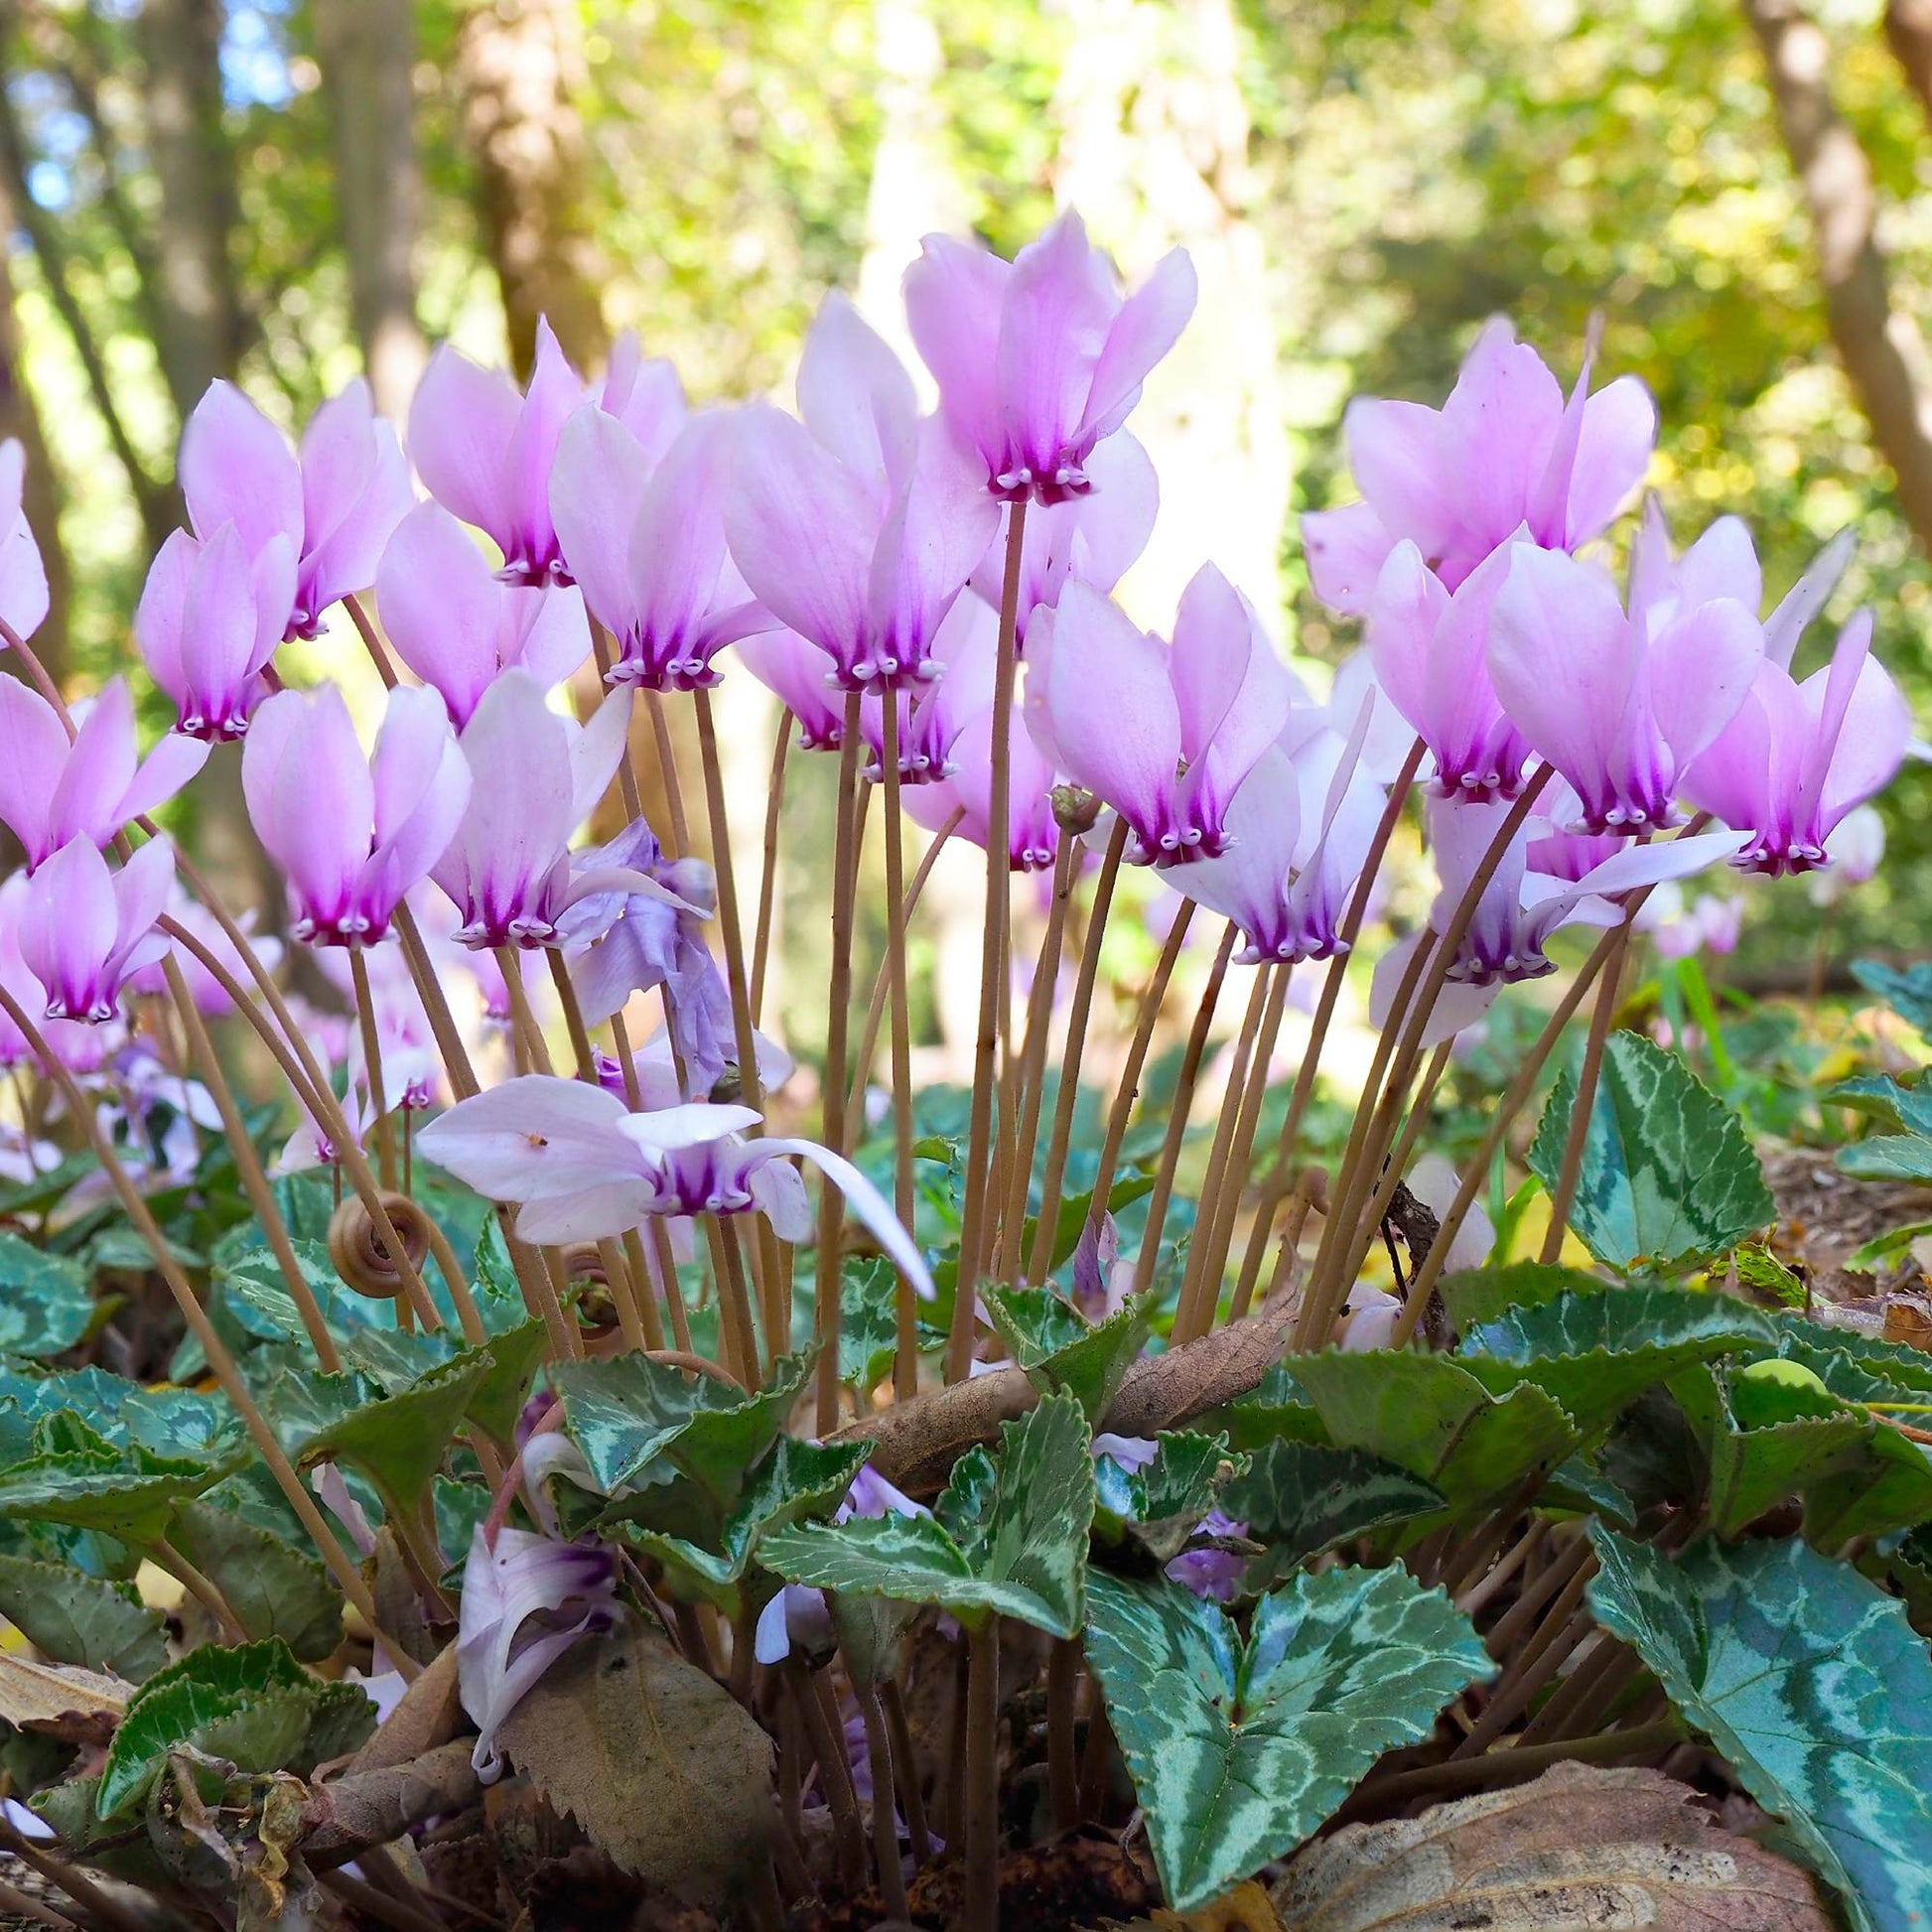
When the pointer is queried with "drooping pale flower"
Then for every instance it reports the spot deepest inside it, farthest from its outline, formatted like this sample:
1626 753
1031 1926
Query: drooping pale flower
53 789
582 1167
644 538
1041 359
210 997
534 777
1852 851
23 577
209 617
79 1046
1519 910
1681 929
1795 759
526 1600
1430 648
931 716
857 526
485 451
334 505
352 831
86 930
1504 451
1620 705
1299 833
1095 537
1164 734
1033 832
459 626
800 675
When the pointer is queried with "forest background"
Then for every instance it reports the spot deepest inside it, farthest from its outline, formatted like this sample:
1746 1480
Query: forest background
286 193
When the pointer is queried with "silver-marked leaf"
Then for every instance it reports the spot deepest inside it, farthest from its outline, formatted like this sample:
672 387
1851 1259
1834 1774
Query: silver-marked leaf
1668 1173
74 1477
1907 993
1812 1684
1239 1752
1301 1499
46 1301
1008 1536
1056 1346
75 1618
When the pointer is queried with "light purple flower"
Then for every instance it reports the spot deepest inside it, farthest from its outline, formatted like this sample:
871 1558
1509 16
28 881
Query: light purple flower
23 577
857 526
1033 832
1619 704
1164 734
485 451
1681 929
352 831
1503 451
644 538
1429 649
525 1601
459 626
1039 358
931 716
209 617
1852 852
534 777
210 997
86 930
334 505
1795 759
79 1046
800 675
53 789
583 1167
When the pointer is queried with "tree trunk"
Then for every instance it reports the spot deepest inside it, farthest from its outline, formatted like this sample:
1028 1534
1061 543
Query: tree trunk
200 312
518 62
1881 349
367 49
1908 32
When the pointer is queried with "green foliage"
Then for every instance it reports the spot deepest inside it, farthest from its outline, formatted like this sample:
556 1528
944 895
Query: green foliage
397 1441
1159 1506
1008 1536
1238 1749
1477 1294
1667 1175
74 1476
46 1303
81 1619
1059 1349
1814 1686
273 1590
1909 992
1299 1499
253 1704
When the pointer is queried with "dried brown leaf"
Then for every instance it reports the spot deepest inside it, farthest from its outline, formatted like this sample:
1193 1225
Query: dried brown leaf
662 1768
81 1706
1580 1849
427 1713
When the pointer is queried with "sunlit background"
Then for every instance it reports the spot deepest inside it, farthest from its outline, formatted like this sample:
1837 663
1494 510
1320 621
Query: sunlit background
289 194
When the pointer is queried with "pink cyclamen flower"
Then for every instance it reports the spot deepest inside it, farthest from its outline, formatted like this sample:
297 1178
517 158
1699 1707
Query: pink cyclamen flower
459 626
931 716
800 675
54 789
857 526
23 577
1620 705
352 831
335 503
1504 451
1095 537
79 1046
1429 649
1299 833
209 617
1041 359
583 1167
1679 931
534 777
644 538
84 931
210 997
526 1600
1795 759
1033 832
1164 734
485 451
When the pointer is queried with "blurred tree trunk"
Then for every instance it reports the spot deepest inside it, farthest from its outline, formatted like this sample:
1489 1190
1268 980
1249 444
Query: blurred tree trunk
19 417
1880 348
200 314
1908 32
368 49
519 63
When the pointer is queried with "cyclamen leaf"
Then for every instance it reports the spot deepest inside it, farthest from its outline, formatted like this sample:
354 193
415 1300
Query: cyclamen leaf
79 1619
1812 1685
253 1703
1007 1538
1907 993
1239 1752
46 1301
1301 1499
398 1440
1478 1295
1888 1157
1668 1173
1160 1506
76 1478
1059 1349
275 1591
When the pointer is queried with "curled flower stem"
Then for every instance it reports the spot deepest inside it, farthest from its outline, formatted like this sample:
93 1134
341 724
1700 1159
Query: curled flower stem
844 885
973 1233
1184 1094
1053 1178
775 797
1585 1100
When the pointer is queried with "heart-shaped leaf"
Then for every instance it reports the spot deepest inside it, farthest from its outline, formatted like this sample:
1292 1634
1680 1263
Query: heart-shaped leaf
1301 1499
1058 1348
75 1618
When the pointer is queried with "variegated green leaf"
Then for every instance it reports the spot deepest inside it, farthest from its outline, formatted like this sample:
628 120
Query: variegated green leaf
1812 1684
46 1301
1058 1348
1300 1498
76 1619
1238 1751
